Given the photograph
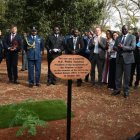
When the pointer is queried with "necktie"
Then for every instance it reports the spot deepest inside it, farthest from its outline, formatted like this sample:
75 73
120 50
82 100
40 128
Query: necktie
33 38
122 42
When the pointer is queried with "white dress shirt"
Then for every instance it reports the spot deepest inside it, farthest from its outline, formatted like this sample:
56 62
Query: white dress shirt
96 48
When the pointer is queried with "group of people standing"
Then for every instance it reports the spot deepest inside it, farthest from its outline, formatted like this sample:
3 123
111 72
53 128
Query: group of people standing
117 56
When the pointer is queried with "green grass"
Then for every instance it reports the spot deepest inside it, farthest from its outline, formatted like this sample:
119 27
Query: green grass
47 110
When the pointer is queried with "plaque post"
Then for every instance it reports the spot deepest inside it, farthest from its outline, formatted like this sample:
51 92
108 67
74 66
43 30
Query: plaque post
69 99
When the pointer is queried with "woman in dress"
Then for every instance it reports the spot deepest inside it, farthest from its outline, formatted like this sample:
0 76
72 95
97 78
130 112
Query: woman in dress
109 46
112 63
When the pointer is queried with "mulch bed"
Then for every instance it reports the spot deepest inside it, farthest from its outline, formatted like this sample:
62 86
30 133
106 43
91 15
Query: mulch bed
98 115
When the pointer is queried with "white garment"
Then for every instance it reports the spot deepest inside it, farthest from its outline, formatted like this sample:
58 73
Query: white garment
96 48
33 37
112 53
74 42
12 36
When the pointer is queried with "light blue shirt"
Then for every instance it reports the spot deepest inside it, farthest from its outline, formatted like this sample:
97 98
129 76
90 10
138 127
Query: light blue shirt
96 48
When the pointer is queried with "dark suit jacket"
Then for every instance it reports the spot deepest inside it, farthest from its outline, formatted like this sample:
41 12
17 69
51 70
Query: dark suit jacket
70 46
8 43
127 50
54 43
86 40
101 46
1 49
137 51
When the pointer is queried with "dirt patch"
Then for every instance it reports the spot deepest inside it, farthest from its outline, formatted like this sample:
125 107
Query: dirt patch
98 115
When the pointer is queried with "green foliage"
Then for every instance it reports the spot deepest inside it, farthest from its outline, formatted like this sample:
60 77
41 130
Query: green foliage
30 120
47 110
45 14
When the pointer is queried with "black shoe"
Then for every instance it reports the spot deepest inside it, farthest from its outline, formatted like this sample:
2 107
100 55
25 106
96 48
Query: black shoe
99 83
136 86
53 83
86 80
49 83
136 137
126 94
79 84
10 81
130 85
131 138
31 85
16 82
93 84
38 85
115 92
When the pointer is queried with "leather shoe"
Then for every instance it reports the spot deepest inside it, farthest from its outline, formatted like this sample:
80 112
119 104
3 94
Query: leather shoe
126 95
38 85
30 85
16 82
10 81
53 83
135 87
131 138
115 92
79 84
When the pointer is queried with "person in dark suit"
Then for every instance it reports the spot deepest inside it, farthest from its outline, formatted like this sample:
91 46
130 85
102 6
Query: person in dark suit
12 45
86 51
34 48
97 49
136 65
24 55
55 47
75 46
1 46
124 45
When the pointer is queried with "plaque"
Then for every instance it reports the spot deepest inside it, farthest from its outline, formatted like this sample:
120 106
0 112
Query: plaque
70 67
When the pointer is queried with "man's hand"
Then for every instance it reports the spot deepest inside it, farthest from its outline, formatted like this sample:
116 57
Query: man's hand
120 46
12 49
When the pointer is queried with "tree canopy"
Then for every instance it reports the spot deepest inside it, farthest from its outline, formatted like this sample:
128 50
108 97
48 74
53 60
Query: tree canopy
45 14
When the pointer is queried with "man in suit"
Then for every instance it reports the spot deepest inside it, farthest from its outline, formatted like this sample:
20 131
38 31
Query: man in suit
34 48
97 49
55 47
86 51
12 45
136 65
1 47
75 46
24 55
124 45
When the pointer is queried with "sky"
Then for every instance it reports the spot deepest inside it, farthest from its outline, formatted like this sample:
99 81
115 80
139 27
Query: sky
114 18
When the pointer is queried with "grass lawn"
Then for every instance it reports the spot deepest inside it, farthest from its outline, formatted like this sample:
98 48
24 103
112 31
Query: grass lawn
47 110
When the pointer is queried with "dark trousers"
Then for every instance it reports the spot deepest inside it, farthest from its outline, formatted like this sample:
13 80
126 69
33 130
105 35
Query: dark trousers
135 66
95 60
112 73
122 72
51 77
86 56
12 62
34 70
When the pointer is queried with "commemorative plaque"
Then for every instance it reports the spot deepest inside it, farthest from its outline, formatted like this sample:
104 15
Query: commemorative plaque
70 67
